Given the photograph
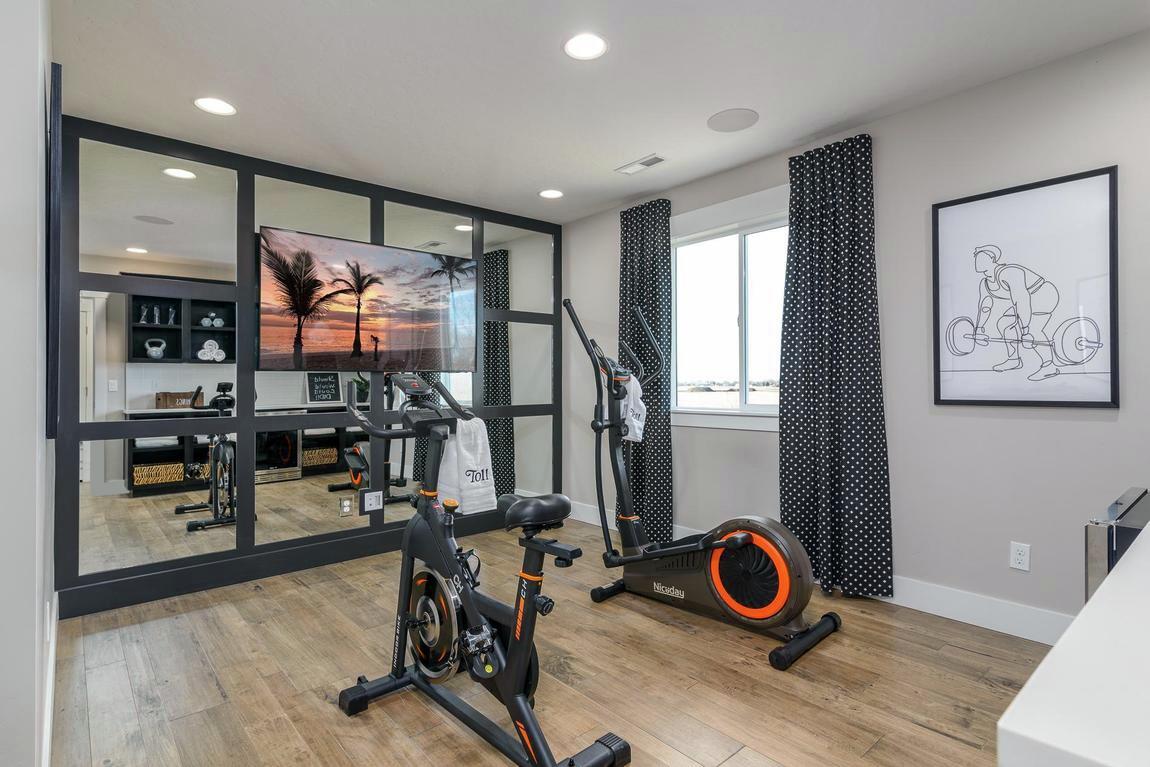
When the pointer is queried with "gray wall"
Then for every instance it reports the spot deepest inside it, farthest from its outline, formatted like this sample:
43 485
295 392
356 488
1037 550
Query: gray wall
965 481
25 546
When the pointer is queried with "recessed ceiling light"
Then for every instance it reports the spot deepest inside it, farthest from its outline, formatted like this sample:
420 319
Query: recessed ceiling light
550 194
155 220
463 227
179 173
585 46
215 106
136 250
732 120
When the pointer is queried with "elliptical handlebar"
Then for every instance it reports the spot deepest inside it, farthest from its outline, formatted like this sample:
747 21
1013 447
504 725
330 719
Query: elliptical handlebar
597 356
644 380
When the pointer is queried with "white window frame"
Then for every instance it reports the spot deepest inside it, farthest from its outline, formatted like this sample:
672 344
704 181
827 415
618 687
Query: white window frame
747 417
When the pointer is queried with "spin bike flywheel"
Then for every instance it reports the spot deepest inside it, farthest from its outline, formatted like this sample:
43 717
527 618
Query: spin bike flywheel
434 636
437 610
766 583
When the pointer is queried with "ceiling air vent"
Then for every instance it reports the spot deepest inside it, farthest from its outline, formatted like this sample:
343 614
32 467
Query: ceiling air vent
429 245
631 168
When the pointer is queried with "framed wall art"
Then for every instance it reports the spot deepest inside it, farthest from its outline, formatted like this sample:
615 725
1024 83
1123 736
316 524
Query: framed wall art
1025 294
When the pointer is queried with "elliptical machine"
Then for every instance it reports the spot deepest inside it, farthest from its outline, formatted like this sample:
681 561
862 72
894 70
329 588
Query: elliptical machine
449 624
219 470
750 570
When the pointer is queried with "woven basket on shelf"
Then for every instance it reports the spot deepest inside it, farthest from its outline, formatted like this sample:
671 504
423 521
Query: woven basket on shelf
157 474
320 456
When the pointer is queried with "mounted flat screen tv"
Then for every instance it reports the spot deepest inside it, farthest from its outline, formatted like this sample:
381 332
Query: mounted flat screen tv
332 304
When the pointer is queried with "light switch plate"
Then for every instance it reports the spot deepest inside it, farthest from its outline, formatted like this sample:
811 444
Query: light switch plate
373 501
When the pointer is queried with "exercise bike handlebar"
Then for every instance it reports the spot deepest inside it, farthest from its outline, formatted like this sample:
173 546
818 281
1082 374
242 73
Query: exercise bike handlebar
460 410
365 423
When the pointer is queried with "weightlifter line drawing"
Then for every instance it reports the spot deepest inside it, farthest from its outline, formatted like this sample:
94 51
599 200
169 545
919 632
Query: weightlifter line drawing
1020 302
1026 298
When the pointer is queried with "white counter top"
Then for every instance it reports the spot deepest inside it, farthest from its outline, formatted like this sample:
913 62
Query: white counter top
1088 702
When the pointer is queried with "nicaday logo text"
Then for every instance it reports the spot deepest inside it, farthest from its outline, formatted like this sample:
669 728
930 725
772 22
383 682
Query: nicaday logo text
669 591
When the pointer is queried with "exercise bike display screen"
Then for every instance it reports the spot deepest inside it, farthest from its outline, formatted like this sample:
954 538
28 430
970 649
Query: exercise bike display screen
332 304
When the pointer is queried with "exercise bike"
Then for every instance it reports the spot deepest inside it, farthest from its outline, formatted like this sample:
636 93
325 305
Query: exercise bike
219 470
448 624
359 464
750 570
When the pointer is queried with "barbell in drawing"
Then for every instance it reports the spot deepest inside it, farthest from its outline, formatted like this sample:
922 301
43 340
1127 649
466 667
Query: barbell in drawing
1075 342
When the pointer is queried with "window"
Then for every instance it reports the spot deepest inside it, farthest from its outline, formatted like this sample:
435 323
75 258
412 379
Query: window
728 320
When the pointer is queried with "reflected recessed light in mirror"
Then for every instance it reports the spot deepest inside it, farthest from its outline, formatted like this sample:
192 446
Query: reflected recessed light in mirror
215 106
463 227
136 250
155 220
550 194
179 173
585 46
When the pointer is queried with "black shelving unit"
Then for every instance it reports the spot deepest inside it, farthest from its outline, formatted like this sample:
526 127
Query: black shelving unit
186 335
186 450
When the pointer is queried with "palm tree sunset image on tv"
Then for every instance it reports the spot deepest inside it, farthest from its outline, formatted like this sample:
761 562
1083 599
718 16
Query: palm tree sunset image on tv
321 296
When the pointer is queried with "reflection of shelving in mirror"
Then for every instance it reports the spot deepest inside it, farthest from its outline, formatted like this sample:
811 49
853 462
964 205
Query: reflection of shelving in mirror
181 330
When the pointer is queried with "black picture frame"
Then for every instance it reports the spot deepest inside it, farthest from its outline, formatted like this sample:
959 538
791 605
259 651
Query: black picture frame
1111 173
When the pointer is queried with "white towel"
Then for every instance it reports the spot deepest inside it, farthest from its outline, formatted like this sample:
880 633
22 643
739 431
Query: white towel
465 471
634 411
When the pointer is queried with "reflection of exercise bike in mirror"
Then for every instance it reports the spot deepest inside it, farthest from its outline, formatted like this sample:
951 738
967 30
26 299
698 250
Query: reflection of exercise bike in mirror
359 463
750 570
451 626
219 471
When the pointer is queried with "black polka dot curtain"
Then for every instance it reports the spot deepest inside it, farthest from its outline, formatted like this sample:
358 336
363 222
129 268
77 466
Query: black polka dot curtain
497 371
419 456
645 281
833 458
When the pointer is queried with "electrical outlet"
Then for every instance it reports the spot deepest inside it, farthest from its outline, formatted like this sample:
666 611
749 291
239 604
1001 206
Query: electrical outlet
1020 556
113 384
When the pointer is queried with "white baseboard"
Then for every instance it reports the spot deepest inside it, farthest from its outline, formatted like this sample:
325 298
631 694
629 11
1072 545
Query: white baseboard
1034 623
50 682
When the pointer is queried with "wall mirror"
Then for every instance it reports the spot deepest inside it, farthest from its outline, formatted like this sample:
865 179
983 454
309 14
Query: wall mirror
145 213
303 486
142 356
288 205
130 490
432 231
517 363
528 279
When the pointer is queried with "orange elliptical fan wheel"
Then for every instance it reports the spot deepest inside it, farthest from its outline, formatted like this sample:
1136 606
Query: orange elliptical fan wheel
765 583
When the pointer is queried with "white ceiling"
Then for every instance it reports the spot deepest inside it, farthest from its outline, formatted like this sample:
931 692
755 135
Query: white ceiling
475 101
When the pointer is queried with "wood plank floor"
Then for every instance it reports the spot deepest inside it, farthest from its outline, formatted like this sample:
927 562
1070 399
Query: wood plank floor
248 674
118 531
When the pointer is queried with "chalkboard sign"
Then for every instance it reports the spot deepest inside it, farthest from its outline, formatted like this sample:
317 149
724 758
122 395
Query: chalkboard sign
323 387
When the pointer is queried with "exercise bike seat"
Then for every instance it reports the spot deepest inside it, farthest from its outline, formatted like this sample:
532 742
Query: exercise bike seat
541 511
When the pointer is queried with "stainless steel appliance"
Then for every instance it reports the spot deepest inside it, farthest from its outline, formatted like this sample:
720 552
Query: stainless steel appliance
1109 536
278 454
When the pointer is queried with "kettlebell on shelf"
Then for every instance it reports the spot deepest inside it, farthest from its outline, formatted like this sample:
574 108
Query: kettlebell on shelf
154 348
